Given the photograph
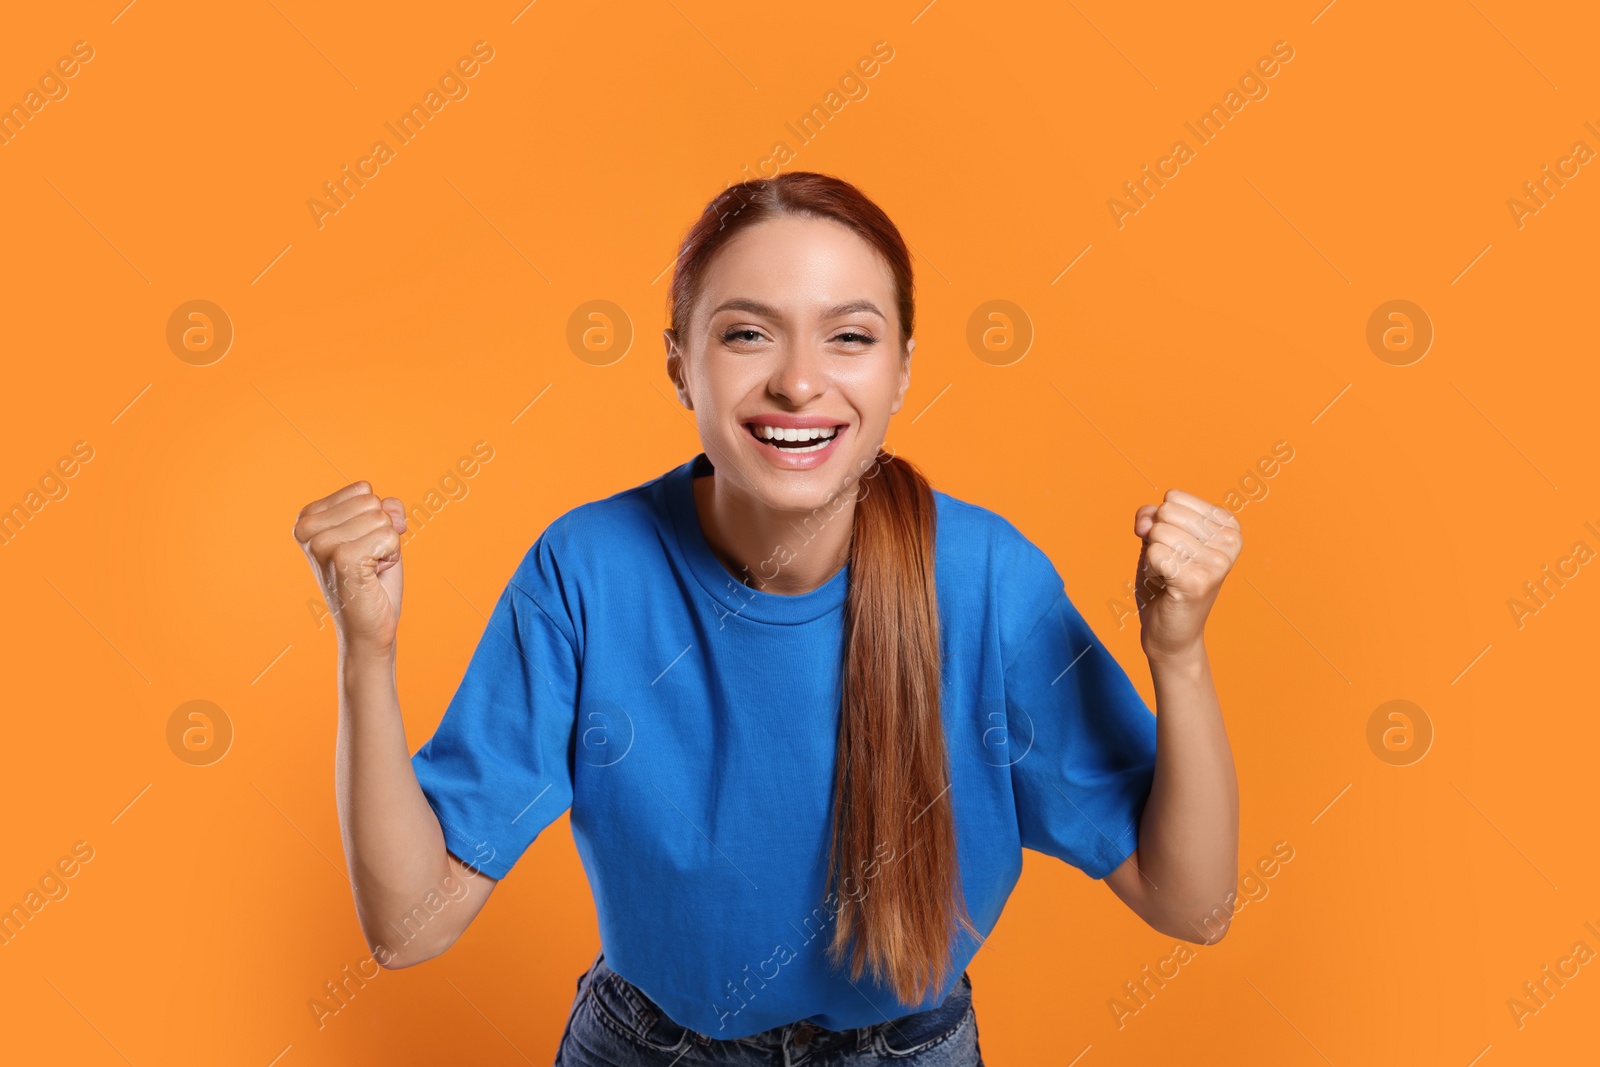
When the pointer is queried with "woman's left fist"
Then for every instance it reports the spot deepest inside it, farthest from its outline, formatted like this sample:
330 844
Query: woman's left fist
1189 547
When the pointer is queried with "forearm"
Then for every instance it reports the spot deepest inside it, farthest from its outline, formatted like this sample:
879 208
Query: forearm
1189 834
392 840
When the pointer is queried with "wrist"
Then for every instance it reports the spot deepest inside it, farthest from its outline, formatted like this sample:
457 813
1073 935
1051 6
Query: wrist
1190 657
362 657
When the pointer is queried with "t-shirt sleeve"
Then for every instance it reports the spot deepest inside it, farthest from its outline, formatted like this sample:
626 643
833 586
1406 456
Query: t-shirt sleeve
1087 742
498 769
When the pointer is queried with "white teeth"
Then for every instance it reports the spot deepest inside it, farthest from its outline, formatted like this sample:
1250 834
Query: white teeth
774 433
821 436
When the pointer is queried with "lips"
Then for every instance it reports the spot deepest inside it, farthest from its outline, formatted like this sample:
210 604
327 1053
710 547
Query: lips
796 442
794 439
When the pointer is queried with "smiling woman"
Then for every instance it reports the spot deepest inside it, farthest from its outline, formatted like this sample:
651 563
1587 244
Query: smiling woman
799 791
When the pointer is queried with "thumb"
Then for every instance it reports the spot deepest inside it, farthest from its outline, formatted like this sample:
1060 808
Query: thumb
1147 580
1144 521
396 512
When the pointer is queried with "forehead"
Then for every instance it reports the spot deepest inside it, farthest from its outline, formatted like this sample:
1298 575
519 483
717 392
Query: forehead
798 263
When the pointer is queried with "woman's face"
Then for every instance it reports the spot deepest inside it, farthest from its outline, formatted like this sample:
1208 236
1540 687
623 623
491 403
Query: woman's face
796 327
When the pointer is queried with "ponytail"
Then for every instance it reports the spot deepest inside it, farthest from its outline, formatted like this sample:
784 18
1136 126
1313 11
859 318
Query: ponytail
894 843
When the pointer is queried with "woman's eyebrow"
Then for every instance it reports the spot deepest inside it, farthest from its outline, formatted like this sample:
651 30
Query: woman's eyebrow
853 306
756 307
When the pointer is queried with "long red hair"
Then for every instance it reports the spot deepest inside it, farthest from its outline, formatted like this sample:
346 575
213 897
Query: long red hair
893 873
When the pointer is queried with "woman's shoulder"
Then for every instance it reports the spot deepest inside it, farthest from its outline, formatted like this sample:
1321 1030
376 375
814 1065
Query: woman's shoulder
980 551
638 509
977 531
615 533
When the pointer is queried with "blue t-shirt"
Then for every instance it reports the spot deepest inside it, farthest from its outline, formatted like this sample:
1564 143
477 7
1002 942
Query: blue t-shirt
690 722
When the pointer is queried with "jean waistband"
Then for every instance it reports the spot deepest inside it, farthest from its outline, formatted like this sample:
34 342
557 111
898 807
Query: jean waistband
817 1038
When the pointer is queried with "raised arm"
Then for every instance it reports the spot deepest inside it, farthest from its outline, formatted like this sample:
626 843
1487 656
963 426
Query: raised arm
1181 878
413 898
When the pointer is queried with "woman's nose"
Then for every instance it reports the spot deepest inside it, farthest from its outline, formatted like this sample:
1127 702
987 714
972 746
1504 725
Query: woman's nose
800 375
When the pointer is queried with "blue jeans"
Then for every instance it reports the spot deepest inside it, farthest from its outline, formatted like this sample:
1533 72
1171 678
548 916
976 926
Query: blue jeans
613 1024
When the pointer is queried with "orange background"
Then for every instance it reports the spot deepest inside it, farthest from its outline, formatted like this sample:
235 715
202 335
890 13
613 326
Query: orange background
1225 316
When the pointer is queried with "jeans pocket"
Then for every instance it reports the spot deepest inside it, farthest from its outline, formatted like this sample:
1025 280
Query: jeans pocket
623 1007
913 1034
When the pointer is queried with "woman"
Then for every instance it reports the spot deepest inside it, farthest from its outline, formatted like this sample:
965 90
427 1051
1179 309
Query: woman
805 710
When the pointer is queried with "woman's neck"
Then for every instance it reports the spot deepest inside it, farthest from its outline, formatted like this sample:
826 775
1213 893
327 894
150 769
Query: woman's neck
781 552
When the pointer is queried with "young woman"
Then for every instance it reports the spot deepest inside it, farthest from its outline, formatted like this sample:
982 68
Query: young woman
806 711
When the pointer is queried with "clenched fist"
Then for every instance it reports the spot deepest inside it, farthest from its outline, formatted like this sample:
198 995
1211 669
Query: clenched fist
352 539
1189 547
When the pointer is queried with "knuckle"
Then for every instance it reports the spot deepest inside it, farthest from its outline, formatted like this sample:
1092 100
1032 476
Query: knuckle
1171 512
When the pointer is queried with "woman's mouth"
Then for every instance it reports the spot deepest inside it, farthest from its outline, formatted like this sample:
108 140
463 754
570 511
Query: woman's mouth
795 442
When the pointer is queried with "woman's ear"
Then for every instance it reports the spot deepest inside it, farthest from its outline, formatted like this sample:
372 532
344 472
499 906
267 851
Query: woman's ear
675 367
905 377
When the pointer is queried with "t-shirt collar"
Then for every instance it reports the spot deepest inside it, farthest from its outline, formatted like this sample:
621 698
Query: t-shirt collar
732 596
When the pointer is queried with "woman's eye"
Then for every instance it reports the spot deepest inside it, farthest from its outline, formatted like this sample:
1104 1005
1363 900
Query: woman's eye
748 335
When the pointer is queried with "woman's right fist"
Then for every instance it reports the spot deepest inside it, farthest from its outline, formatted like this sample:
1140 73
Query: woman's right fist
352 539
